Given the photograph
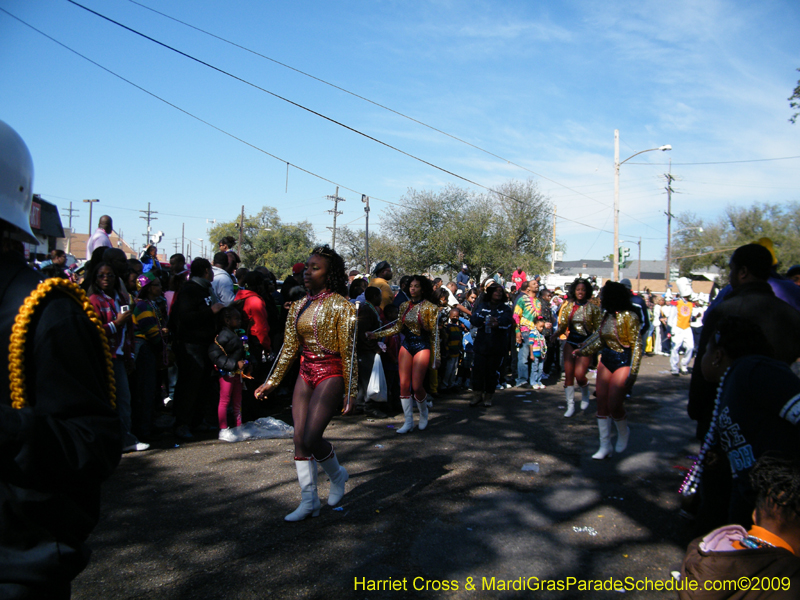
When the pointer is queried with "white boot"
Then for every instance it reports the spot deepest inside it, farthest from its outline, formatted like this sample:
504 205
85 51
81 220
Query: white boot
623 433
569 392
422 405
604 425
337 474
408 412
309 500
585 397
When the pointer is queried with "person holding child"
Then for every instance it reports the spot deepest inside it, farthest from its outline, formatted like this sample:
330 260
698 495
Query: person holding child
230 354
321 329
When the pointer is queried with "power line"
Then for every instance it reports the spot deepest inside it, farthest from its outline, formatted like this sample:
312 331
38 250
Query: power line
723 162
365 99
339 123
187 113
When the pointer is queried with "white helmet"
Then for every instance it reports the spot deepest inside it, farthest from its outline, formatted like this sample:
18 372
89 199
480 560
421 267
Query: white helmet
16 182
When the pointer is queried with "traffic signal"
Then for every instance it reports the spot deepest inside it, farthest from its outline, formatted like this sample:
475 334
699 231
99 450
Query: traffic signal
624 253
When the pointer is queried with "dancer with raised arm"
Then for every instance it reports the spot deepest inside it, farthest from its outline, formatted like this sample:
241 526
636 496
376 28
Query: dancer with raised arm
420 349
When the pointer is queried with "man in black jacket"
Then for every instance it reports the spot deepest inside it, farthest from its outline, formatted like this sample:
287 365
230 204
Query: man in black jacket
59 434
192 323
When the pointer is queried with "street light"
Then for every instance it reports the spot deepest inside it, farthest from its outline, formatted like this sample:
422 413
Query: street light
202 248
617 164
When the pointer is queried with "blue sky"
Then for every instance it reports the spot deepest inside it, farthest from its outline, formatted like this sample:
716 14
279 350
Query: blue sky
543 85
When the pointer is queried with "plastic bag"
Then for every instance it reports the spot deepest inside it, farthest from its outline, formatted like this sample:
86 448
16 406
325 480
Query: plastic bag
265 428
376 390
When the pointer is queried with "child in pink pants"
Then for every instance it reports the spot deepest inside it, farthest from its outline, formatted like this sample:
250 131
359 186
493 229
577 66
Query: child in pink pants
230 356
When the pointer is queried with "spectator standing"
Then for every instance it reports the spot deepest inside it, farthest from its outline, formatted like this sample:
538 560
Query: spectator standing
369 319
151 348
382 277
538 349
518 277
192 321
230 355
462 279
100 238
402 295
254 299
226 245
115 316
498 278
222 283
453 333
493 319
526 311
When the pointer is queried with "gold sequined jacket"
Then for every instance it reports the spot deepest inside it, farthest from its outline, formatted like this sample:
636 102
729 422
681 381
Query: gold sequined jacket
325 328
419 319
585 321
617 332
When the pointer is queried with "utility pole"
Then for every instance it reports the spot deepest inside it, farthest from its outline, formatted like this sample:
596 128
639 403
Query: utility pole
553 248
148 218
90 213
241 229
176 245
639 271
183 239
668 176
69 239
365 200
336 199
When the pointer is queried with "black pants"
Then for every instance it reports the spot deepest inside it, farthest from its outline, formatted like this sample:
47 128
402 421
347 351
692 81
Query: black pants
484 372
194 388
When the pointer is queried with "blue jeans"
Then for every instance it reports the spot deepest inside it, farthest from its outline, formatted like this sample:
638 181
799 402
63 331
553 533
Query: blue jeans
536 370
523 353
123 402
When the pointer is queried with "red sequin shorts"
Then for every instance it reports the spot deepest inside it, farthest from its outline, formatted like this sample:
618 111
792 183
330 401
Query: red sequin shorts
316 369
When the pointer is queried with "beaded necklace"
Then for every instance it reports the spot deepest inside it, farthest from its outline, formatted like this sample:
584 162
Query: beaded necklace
693 477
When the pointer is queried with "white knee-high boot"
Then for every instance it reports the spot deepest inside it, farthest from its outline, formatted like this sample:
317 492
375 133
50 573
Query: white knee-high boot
585 397
408 413
604 425
422 405
309 500
337 474
569 393
623 434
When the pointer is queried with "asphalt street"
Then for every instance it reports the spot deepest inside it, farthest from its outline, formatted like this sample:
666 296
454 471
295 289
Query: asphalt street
449 507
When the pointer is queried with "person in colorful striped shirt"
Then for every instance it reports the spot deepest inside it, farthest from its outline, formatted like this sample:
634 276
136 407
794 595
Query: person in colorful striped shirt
527 309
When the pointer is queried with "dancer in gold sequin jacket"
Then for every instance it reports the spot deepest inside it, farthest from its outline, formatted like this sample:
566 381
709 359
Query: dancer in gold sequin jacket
321 328
580 317
620 346
418 321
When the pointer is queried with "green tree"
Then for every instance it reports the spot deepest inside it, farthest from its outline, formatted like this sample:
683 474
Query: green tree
441 231
794 102
736 227
268 242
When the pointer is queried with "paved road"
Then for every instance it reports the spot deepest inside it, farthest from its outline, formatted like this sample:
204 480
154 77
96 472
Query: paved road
205 519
